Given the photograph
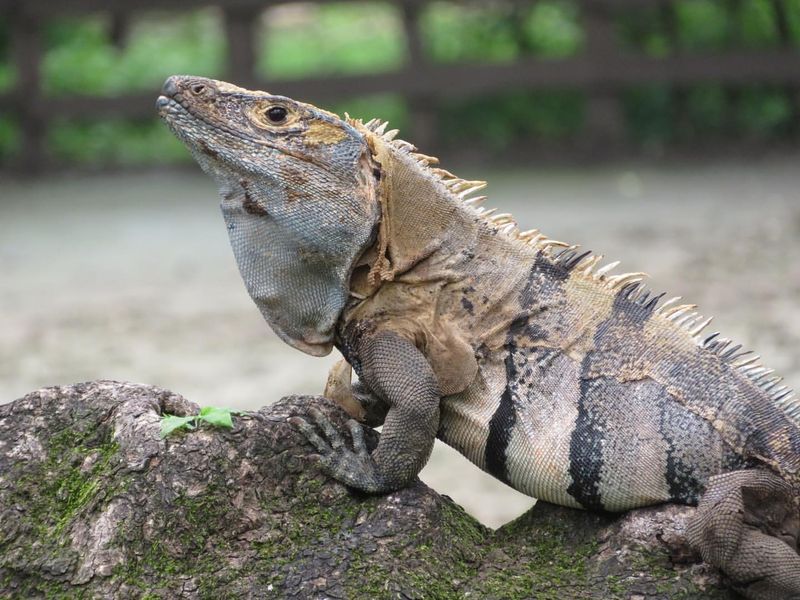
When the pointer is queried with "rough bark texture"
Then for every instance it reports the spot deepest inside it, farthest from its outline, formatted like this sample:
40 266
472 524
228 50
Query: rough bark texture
93 504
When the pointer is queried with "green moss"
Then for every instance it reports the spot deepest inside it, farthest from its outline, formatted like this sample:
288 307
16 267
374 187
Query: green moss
50 590
308 525
365 577
615 587
72 480
78 489
68 481
536 554
436 564
192 521
181 544
666 579
461 526
543 556
550 564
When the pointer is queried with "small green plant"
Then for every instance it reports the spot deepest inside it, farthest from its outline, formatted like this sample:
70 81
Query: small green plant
213 415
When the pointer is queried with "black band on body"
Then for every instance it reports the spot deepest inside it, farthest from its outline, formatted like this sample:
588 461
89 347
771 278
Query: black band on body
586 447
502 423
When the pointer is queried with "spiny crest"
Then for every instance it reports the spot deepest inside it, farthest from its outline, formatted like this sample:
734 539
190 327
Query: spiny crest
687 318
462 190
684 316
629 285
749 364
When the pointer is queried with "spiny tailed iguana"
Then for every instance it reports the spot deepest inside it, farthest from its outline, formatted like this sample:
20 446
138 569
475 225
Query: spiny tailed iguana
565 381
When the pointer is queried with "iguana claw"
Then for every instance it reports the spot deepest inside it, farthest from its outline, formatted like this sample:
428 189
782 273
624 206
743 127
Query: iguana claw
355 467
356 398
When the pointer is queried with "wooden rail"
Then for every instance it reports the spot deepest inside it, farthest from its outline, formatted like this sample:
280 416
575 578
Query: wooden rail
602 71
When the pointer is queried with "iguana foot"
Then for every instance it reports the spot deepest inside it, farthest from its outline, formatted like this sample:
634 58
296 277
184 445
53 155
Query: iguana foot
355 467
748 525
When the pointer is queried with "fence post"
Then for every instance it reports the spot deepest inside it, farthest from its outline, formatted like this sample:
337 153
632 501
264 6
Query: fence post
604 121
421 107
785 38
26 52
240 24
679 97
119 21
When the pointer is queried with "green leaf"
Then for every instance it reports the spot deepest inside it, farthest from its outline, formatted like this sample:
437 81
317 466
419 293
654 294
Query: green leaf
170 423
221 417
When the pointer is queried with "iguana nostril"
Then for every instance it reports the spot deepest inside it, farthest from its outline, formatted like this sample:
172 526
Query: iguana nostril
170 87
198 88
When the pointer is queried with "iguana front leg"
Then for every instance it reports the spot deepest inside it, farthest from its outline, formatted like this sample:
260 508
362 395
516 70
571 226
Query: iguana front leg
747 524
398 374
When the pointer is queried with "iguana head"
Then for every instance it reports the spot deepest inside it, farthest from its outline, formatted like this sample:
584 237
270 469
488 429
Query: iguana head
298 188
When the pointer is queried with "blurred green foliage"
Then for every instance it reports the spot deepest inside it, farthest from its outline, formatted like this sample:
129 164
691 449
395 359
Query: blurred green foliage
456 33
492 32
705 108
115 141
9 137
305 39
757 24
6 69
702 24
763 112
506 118
389 107
81 60
553 29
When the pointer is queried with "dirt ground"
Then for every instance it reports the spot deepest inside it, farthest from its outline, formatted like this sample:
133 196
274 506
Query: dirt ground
130 277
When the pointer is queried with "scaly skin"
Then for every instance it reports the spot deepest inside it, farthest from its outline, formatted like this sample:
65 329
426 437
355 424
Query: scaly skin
568 383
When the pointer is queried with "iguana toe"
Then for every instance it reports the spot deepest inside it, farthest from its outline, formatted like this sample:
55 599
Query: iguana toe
355 467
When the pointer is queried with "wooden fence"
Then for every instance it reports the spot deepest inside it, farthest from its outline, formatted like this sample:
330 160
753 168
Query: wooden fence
601 71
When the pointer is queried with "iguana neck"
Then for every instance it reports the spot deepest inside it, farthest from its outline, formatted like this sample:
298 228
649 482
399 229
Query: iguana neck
420 216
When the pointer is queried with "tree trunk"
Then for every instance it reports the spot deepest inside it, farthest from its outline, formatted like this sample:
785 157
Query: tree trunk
94 504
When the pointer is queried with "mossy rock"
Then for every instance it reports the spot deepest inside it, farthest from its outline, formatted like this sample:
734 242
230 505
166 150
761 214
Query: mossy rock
95 504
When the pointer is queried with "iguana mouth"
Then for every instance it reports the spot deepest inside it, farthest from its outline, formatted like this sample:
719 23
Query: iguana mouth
166 106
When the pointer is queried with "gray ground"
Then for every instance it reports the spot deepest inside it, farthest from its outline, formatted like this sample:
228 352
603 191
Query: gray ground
131 277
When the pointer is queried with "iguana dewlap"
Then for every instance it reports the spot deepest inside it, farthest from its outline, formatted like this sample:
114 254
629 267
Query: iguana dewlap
567 382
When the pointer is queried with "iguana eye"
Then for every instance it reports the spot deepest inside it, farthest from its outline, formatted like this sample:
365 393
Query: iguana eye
276 114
